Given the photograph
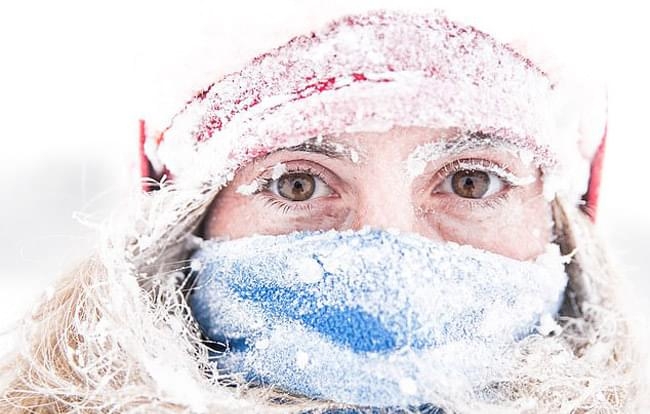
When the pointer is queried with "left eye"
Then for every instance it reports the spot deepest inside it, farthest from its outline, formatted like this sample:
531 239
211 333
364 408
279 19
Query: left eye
299 186
472 184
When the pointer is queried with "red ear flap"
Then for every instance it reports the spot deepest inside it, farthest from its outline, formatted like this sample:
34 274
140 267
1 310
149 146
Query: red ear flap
147 172
591 197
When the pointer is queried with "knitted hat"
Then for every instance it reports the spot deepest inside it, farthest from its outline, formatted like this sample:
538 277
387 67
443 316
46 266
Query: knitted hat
372 72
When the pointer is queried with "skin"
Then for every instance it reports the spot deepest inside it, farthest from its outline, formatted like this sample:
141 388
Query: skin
375 189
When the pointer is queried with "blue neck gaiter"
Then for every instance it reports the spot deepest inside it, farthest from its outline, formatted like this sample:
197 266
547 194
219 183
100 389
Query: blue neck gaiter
368 318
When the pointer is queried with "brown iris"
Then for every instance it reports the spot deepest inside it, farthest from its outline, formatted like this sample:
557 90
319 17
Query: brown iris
296 186
470 183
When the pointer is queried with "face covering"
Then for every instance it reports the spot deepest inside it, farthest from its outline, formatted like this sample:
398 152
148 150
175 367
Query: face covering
371 318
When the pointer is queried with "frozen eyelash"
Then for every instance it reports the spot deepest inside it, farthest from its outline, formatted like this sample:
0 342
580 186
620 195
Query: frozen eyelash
278 170
278 204
284 207
261 184
281 169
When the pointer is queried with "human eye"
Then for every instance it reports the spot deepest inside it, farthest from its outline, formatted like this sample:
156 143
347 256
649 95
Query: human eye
476 179
298 186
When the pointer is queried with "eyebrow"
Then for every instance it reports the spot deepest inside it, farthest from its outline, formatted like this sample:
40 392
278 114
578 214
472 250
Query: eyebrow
323 145
464 141
471 140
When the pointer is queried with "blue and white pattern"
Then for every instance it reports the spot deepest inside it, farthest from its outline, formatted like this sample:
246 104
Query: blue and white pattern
370 318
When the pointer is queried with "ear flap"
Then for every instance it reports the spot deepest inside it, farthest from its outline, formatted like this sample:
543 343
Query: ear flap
150 177
591 196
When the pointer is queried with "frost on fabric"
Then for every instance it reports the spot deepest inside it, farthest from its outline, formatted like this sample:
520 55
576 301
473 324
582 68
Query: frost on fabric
360 75
356 317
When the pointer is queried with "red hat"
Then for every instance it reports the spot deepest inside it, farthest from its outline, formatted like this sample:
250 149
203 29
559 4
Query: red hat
375 71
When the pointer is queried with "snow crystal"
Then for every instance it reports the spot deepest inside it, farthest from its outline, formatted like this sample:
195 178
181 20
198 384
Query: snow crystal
175 381
196 265
548 325
192 242
262 343
408 386
552 185
248 189
302 359
49 293
307 270
354 156
527 157
278 170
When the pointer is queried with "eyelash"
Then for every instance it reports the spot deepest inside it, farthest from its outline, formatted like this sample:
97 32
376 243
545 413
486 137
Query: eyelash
492 202
285 207
478 165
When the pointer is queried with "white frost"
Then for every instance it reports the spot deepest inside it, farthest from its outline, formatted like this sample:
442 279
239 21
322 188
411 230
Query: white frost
302 359
354 156
413 286
408 386
262 343
547 325
308 270
248 189
278 170
196 265
433 151
49 293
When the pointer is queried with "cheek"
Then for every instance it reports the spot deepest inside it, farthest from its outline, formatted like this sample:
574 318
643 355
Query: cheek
234 216
520 229
231 216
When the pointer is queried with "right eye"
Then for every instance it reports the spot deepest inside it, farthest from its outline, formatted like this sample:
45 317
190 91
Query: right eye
299 186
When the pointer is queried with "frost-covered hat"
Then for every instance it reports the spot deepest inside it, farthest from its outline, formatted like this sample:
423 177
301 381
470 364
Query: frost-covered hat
372 72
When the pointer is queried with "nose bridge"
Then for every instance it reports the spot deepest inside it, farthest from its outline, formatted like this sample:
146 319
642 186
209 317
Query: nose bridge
384 193
386 204
386 214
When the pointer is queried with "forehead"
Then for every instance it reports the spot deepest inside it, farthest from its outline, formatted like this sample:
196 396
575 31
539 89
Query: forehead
398 137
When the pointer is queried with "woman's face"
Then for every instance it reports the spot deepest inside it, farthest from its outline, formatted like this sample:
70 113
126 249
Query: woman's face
419 180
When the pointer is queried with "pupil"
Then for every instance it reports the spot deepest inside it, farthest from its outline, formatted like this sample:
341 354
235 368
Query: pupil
470 184
296 186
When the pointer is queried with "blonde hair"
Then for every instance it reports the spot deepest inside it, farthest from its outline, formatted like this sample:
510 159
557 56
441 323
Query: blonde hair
118 336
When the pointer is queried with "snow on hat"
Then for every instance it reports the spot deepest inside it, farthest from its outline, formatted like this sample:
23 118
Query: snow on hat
374 71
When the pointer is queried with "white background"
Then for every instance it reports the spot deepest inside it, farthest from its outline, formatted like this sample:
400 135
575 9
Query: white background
76 76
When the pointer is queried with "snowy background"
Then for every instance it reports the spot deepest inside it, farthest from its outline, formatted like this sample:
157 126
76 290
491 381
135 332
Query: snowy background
75 77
